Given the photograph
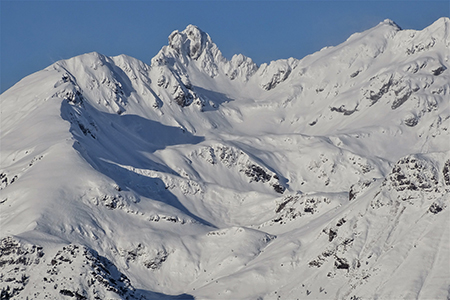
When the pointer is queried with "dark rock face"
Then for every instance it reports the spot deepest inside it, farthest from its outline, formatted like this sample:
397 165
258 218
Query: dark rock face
439 71
74 97
295 206
182 96
98 272
15 260
256 173
341 263
435 208
277 78
91 277
411 121
446 172
413 174
402 99
394 88
232 157
339 245
279 188
157 261
331 235
357 188
375 96
343 110
5 181
285 202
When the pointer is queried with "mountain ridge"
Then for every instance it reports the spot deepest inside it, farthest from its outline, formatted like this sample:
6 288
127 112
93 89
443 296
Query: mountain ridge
211 178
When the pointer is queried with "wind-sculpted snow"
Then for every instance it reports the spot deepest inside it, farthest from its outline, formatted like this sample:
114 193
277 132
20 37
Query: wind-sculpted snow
199 177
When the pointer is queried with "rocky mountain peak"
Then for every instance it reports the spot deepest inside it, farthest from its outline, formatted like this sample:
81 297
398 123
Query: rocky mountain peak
191 45
192 41
198 177
390 23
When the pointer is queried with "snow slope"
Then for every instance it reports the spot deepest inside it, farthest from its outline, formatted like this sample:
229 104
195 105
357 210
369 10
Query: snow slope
198 177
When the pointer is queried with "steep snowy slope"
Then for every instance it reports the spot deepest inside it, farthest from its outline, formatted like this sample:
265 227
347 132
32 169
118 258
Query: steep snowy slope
201 177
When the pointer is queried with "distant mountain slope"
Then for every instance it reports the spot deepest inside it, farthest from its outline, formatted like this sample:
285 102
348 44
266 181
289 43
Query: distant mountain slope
198 177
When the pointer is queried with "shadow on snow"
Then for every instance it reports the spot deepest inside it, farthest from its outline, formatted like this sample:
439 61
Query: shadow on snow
110 141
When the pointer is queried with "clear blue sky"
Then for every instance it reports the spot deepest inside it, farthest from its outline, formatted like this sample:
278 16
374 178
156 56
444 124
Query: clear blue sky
34 34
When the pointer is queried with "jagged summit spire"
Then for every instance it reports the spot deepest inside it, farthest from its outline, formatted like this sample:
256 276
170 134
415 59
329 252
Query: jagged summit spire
191 44
191 41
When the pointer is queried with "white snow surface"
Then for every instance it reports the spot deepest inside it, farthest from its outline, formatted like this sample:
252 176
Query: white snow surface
198 177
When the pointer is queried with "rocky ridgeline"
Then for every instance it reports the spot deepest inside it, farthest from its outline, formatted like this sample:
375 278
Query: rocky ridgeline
234 158
295 207
416 180
16 261
158 156
74 272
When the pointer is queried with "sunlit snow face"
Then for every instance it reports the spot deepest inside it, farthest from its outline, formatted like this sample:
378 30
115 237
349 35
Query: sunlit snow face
325 177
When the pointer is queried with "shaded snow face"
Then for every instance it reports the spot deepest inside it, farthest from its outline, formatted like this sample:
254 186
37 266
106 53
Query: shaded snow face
198 177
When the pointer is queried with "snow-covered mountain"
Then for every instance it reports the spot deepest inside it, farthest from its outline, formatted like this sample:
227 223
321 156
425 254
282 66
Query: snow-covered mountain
198 177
